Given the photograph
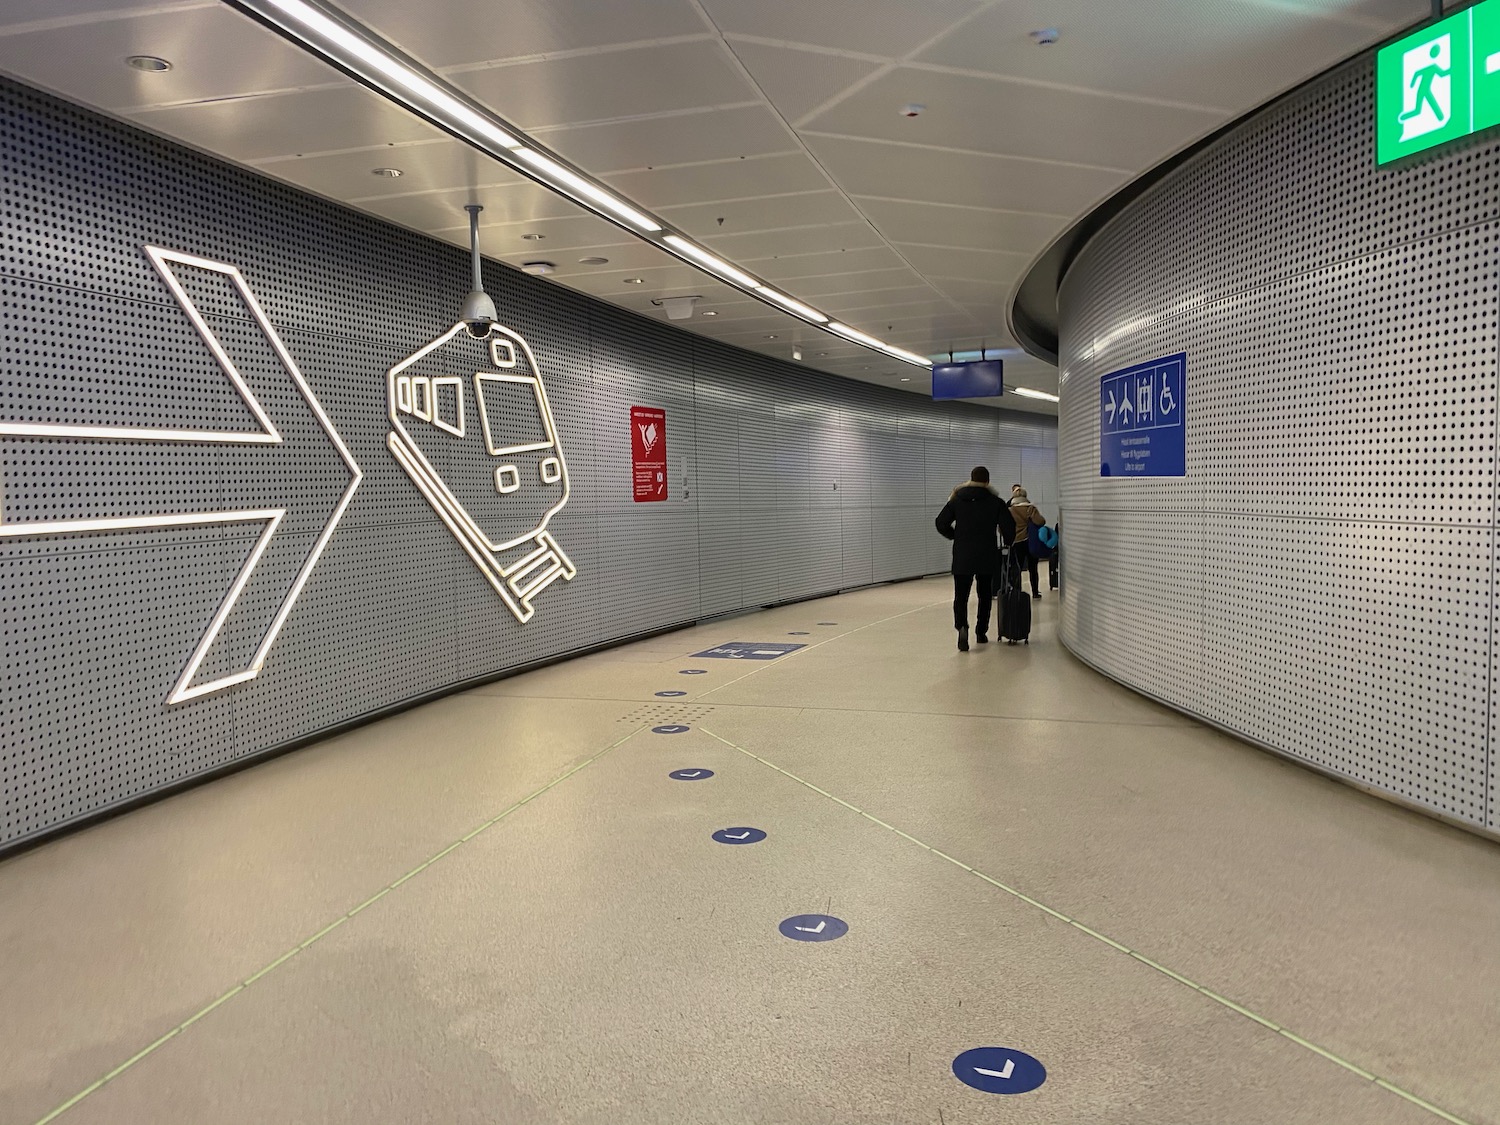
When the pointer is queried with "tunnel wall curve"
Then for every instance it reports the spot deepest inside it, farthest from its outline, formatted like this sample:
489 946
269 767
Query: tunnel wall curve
196 571
1321 581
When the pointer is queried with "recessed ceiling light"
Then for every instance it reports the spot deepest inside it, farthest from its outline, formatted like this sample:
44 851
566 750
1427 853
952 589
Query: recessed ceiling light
149 63
709 312
772 336
593 261
822 353
906 378
533 237
389 173
538 269
635 281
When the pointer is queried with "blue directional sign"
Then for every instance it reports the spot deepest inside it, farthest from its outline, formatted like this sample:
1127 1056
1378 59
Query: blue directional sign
670 694
748 650
670 728
1141 428
999 1070
814 927
739 835
691 775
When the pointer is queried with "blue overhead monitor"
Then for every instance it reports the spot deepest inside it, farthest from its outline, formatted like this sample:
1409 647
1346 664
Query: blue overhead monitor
984 378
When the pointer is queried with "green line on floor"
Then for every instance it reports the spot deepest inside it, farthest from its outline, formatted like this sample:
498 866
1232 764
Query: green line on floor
328 929
1144 960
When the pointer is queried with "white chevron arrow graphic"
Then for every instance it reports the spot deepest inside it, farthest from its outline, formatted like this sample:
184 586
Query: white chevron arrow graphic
266 435
818 929
1010 1068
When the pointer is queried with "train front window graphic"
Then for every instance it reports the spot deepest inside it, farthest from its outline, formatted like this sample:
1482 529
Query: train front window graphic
472 428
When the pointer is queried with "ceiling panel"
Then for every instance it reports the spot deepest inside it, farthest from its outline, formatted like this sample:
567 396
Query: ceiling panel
606 87
789 268
866 167
980 265
863 281
431 165
714 135
448 34
515 202
1017 231
215 53
800 81
733 178
1011 118
326 120
1232 53
879 27
763 245
22 13
1015 143
704 220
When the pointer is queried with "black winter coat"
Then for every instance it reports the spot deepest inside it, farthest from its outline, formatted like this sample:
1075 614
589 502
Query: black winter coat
977 521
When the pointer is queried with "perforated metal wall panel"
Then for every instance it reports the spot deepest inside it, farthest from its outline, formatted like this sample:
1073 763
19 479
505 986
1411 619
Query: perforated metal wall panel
783 482
1323 579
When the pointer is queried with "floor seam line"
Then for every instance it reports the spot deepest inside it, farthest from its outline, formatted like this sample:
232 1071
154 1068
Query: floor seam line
1208 993
1169 723
289 954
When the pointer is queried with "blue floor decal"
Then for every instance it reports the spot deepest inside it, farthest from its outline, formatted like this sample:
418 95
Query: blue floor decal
999 1070
739 835
814 927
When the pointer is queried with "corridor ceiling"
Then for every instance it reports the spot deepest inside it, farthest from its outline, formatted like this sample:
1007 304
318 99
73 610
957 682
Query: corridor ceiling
773 131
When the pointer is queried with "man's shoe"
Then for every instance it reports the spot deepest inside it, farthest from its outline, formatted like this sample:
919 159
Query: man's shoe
963 638
982 638
1036 595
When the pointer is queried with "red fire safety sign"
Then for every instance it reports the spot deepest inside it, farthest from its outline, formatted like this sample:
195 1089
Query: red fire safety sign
648 453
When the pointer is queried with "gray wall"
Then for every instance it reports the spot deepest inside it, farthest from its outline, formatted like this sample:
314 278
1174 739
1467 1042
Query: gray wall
97 627
1322 581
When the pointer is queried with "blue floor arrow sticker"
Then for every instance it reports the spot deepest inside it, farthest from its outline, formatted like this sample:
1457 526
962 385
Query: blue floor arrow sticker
999 1070
739 835
691 775
814 927
671 728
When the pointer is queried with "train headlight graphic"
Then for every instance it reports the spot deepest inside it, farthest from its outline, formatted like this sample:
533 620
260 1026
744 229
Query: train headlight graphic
472 428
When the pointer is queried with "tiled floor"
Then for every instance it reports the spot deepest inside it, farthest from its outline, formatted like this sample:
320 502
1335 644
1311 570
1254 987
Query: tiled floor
999 830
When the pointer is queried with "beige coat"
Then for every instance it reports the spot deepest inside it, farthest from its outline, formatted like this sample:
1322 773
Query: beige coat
1026 516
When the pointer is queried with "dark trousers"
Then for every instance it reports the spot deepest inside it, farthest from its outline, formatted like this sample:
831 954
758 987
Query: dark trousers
1020 555
962 583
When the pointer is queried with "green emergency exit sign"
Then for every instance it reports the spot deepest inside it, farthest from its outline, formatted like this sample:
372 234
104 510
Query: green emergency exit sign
1438 84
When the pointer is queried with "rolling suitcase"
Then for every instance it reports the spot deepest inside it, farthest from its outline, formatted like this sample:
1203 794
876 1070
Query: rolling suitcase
1015 609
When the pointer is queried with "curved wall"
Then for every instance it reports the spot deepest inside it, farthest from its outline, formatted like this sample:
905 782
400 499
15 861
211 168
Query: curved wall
1322 580
781 483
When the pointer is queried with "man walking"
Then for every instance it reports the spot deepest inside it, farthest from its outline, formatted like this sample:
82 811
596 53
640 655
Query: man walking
973 518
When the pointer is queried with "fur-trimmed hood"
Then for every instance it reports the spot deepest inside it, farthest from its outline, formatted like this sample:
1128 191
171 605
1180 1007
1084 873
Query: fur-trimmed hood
990 488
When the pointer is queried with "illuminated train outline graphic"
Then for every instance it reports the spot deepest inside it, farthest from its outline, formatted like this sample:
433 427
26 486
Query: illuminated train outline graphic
520 469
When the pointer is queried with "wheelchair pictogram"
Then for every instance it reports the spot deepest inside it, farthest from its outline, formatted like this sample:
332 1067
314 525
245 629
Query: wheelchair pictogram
478 408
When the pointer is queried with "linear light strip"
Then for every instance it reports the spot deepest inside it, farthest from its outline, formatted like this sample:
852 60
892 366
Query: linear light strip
1027 392
711 263
325 31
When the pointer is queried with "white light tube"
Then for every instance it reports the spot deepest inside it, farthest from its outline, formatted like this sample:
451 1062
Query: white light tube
708 261
440 102
854 334
790 305
908 357
1027 392
576 186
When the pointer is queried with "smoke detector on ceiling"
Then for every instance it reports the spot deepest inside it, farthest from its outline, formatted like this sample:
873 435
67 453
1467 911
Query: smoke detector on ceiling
1045 37
912 109
538 269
